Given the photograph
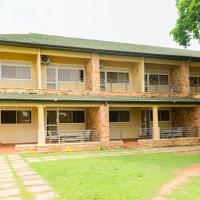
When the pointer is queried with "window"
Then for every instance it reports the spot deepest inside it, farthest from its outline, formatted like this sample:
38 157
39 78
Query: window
117 77
194 81
119 116
70 75
15 70
8 117
163 115
15 117
23 117
71 116
158 79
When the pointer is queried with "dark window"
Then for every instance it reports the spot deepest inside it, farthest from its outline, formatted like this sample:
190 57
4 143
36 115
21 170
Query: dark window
164 79
78 117
163 115
123 77
112 77
8 117
113 116
153 79
52 117
23 117
194 81
117 77
65 116
81 76
119 116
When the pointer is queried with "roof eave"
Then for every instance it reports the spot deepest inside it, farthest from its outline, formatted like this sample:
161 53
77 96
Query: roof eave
109 52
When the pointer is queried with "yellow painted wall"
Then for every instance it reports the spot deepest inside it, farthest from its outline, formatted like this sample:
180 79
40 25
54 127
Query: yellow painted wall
129 129
134 75
8 131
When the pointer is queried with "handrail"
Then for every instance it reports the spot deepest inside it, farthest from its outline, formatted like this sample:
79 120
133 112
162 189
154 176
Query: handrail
145 133
165 88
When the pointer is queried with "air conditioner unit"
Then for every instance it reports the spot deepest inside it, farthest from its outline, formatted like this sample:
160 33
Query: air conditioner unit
45 59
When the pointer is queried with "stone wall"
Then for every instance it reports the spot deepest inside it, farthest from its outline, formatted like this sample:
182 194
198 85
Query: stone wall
169 142
180 76
97 119
186 117
92 73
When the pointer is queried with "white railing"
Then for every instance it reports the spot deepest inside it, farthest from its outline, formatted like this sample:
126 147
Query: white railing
144 133
178 132
131 86
115 134
26 137
166 88
71 136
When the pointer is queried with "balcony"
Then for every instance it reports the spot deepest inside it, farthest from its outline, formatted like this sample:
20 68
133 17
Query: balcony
116 86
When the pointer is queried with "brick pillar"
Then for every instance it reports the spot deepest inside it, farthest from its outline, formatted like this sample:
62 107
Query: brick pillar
180 76
186 117
93 73
97 119
41 126
155 128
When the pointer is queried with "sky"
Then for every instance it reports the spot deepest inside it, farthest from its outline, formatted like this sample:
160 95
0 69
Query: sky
134 21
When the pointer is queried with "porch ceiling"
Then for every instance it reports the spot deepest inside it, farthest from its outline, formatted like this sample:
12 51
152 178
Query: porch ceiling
52 98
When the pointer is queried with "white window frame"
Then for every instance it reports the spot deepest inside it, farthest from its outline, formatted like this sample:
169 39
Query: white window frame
58 66
27 64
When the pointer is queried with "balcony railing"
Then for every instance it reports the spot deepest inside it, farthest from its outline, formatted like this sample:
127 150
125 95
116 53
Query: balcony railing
115 134
169 133
71 136
163 88
131 86
144 133
194 89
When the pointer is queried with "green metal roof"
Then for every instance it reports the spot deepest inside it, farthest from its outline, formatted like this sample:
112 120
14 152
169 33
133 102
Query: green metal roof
69 43
7 97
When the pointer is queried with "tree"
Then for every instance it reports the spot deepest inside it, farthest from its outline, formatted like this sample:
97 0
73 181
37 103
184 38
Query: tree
188 24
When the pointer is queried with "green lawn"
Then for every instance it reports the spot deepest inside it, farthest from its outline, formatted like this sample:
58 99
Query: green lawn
189 191
134 177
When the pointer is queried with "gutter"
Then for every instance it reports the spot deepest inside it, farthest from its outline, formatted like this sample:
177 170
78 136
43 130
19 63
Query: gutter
108 52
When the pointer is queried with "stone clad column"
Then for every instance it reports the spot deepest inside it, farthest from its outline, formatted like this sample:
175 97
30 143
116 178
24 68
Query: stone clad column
41 126
39 70
180 76
93 73
155 128
97 119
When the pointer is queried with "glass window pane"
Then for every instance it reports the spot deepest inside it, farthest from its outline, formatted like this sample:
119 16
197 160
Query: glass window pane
112 77
51 117
65 116
164 80
164 115
8 71
193 81
81 75
23 117
153 79
113 116
78 117
198 81
51 75
123 77
8 117
124 116
23 72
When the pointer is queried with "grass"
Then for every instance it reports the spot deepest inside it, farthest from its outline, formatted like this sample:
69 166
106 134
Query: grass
189 191
133 177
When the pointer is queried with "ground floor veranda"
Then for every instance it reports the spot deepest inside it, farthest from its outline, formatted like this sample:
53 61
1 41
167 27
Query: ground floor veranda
86 125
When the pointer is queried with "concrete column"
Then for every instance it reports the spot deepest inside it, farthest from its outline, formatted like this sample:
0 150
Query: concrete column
41 126
39 70
93 73
97 119
155 128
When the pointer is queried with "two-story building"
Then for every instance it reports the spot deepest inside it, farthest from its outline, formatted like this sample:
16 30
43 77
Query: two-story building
60 92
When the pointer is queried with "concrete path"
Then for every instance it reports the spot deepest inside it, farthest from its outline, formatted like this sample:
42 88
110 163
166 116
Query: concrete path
135 151
17 178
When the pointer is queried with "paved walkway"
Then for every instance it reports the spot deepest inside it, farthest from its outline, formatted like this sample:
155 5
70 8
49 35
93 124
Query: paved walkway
17 178
135 151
